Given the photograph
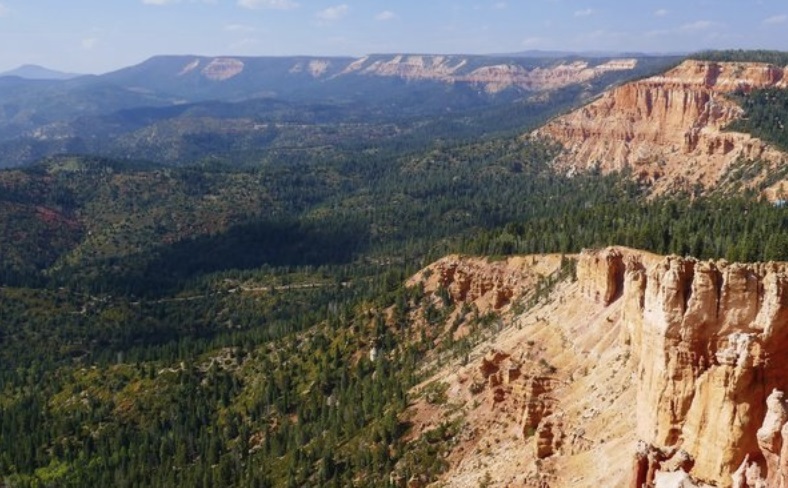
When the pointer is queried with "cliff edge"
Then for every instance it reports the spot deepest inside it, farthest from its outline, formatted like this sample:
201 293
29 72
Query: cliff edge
643 371
668 129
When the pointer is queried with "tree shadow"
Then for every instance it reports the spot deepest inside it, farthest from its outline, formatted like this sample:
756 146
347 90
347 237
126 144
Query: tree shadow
245 246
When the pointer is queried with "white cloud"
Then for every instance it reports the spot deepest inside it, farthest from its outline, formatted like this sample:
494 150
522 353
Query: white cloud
661 12
89 43
3 10
386 15
698 25
500 5
776 19
584 13
268 4
332 14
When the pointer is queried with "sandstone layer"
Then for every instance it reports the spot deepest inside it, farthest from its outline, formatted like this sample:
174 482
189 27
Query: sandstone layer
668 129
708 340
492 77
645 372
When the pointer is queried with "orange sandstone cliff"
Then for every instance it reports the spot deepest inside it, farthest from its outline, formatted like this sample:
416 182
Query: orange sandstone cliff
668 128
709 341
645 371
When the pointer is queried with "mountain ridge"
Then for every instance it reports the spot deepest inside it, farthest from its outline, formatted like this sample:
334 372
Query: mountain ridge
44 118
36 72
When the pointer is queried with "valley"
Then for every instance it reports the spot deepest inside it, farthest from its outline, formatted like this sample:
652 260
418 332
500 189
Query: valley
396 270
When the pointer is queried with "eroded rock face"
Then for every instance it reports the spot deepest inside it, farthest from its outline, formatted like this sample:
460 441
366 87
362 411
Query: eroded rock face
467 284
492 79
601 274
492 285
549 437
684 355
667 128
771 439
708 340
220 69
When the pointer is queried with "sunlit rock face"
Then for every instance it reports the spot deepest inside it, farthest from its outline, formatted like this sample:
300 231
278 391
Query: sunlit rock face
668 129
709 342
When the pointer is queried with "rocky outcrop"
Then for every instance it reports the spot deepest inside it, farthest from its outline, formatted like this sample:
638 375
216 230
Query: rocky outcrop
488 285
680 357
221 69
500 77
549 437
485 74
667 129
601 275
491 78
315 67
413 67
467 284
707 340
530 394
504 378
772 442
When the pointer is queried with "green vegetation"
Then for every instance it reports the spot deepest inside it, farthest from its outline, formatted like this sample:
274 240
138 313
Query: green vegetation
300 410
212 327
705 228
779 58
766 114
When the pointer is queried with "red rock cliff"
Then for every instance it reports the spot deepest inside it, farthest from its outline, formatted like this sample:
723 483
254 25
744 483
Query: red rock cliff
708 341
667 128
647 372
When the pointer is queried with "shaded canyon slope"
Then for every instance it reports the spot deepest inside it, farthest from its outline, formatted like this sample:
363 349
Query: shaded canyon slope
644 371
670 129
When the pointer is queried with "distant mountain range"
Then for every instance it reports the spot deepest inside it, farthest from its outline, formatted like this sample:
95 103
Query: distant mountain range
35 72
147 110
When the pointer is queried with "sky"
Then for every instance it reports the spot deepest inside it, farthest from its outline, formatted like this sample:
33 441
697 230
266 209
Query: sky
96 36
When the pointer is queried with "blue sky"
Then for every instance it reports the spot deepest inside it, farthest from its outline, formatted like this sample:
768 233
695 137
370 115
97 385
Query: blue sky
93 36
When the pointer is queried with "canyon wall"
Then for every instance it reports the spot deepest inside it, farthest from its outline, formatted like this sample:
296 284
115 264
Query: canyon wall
645 371
488 285
668 129
492 78
708 342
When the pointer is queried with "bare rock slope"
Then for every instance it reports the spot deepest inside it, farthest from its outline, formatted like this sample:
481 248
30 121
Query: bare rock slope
669 129
491 76
645 371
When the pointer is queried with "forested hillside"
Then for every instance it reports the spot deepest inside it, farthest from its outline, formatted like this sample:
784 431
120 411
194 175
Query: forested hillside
766 113
216 325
